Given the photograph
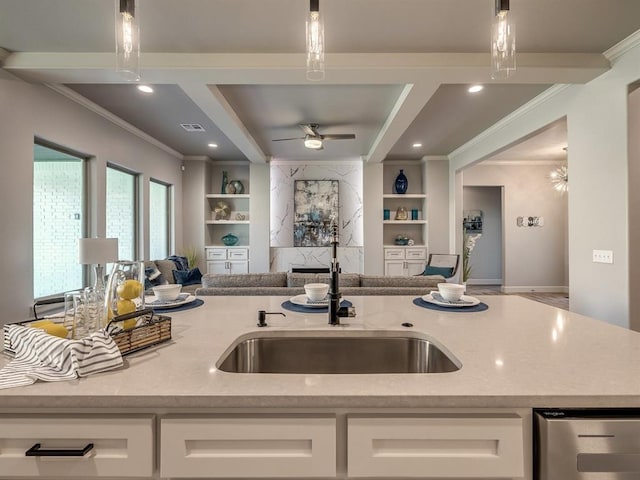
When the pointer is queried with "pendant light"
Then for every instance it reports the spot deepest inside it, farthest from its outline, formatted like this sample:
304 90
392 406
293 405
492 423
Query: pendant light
128 39
503 42
315 42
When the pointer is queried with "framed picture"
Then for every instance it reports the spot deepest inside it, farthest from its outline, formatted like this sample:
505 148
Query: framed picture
472 221
315 210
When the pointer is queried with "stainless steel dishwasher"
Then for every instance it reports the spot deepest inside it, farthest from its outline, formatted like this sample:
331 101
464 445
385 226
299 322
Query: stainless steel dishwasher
587 444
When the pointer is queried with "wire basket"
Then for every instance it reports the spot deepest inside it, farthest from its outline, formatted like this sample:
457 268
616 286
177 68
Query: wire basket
153 330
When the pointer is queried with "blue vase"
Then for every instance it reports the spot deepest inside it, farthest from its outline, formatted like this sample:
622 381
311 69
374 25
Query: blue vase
401 184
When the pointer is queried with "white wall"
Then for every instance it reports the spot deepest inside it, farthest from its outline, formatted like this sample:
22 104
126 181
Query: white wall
28 111
533 256
598 165
438 209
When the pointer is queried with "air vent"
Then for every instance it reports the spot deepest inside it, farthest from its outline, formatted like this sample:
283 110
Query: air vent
192 127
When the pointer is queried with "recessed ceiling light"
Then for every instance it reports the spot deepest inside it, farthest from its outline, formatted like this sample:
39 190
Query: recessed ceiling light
475 88
145 88
213 145
417 145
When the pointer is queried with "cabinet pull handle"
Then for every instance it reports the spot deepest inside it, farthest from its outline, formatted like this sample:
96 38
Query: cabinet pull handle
36 451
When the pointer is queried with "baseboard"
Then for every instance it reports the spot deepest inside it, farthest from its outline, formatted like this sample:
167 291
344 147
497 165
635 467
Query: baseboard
526 289
484 281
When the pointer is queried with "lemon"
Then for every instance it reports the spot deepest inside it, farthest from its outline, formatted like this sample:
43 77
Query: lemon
55 329
129 289
129 324
125 306
40 323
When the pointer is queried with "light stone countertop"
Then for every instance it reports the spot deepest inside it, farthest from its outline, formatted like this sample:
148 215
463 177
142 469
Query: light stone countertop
518 353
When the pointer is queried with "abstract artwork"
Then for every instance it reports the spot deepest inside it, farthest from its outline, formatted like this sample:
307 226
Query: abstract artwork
316 208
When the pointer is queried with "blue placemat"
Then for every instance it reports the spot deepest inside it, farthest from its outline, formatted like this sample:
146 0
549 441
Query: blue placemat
300 308
481 307
196 303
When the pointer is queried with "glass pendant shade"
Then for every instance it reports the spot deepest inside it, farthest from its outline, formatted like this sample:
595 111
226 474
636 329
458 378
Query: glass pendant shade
315 43
128 39
503 45
560 179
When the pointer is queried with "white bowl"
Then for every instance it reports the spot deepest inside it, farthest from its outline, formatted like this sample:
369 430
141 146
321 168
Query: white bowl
316 291
167 293
451 291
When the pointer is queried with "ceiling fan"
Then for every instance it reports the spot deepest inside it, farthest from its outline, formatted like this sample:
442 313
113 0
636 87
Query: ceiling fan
313 139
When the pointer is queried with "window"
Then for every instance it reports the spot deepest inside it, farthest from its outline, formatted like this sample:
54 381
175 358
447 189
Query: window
122 194
159 219
58 220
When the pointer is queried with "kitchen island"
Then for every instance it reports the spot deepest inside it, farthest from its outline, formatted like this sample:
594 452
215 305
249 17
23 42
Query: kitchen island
515 356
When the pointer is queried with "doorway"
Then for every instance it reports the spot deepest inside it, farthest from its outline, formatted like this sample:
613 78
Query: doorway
482 213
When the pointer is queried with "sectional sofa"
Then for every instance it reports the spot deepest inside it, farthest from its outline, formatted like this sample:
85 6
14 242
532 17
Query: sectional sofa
288 283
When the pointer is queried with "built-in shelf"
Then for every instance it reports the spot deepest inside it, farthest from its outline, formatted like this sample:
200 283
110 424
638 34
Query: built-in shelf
227 195
393 245
228 222
404 222
405 195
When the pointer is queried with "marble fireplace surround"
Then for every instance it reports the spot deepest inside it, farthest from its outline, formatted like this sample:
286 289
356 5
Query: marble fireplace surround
284 255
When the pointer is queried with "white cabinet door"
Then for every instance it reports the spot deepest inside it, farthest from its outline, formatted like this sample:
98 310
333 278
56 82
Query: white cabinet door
231 447
460 446
394 267
414 267
116 446
238 267
217 267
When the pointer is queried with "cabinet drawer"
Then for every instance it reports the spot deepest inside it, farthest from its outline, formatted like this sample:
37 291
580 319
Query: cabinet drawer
435 447
238 254
122 446
394 254
416 253
216 253
247 447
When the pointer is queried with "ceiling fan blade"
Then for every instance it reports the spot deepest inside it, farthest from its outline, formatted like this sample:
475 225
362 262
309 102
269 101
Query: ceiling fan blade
285 139
310 129
339 136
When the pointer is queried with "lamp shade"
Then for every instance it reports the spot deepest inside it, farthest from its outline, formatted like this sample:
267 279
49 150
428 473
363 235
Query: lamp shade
96 251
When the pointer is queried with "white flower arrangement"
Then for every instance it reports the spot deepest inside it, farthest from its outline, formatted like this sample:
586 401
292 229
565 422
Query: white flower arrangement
467 248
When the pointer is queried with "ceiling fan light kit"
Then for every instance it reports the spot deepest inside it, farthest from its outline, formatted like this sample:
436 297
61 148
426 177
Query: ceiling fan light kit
312 138
314 143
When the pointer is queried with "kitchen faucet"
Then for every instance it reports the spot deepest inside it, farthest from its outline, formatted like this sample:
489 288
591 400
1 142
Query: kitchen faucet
334 288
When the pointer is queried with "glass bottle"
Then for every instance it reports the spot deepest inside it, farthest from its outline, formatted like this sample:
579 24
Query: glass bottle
225 180
125 289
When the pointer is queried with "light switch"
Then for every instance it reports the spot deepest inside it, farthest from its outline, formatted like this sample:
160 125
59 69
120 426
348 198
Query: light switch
603 256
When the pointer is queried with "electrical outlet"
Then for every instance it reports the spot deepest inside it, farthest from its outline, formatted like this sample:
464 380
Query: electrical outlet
603 256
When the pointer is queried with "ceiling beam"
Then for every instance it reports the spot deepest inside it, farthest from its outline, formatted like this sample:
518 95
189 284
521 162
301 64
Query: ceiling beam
211 101
410 102
345 68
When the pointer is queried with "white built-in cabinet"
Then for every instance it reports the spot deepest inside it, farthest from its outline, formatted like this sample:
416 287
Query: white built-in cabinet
404 261
227 260
345 444
237 219
398 259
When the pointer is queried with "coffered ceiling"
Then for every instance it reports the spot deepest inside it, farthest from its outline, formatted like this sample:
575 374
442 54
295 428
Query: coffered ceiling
397 71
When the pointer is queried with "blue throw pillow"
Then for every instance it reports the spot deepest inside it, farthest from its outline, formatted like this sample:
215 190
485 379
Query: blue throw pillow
153 278
446 272
188 277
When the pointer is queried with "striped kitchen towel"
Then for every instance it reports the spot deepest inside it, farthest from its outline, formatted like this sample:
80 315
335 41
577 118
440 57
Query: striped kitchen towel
40 356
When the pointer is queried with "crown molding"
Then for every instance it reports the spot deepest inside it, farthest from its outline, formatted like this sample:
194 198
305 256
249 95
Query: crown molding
524 110
95 108
622 47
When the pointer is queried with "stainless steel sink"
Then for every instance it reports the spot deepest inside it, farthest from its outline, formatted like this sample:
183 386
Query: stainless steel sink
341 353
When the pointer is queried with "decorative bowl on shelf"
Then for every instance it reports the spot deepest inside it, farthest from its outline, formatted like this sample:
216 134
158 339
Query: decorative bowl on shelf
229 239
402 240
